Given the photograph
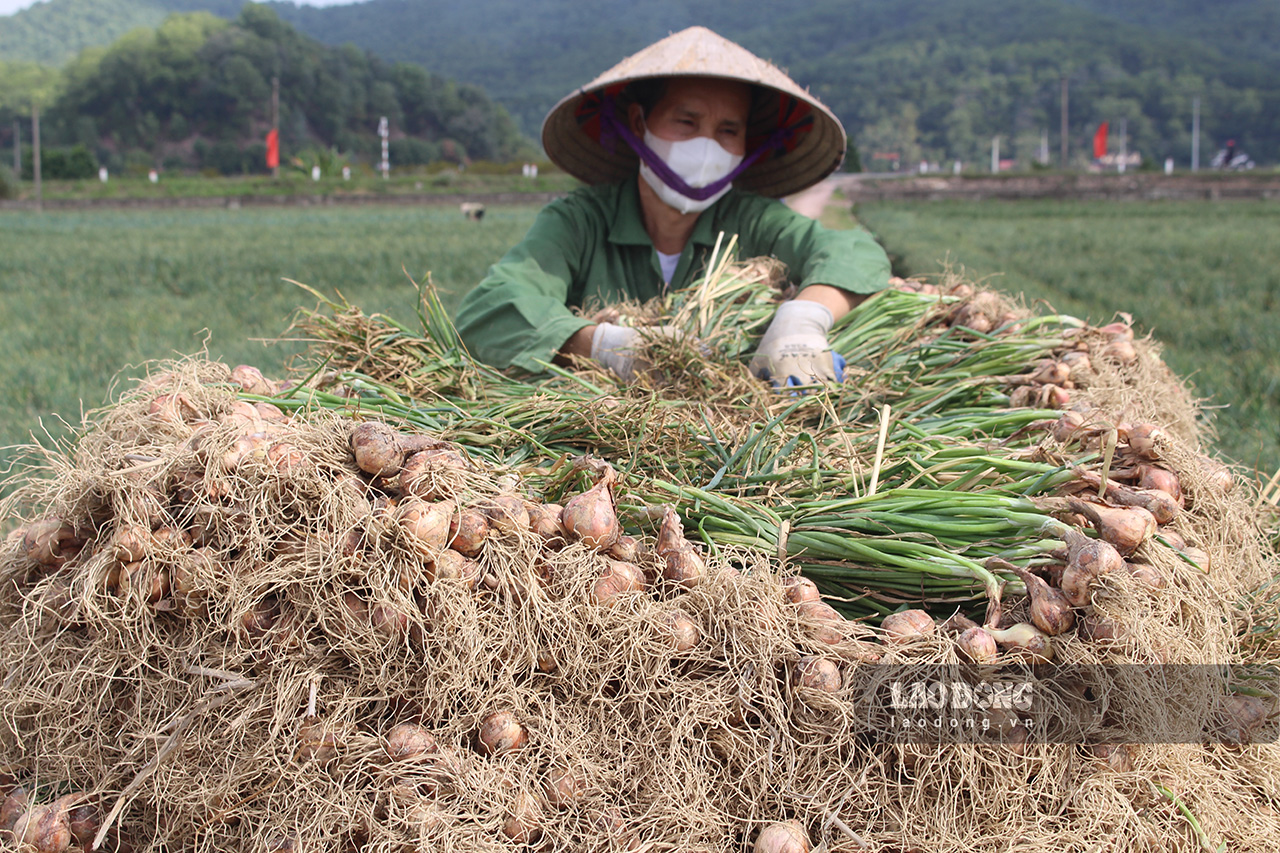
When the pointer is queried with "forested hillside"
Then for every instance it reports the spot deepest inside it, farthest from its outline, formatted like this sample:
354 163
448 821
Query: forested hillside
196 92
924 79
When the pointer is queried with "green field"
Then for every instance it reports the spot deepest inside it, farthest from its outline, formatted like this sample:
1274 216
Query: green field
1202 277
86 295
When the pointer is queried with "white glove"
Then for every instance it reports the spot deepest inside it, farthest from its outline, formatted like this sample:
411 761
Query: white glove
621 348
794 350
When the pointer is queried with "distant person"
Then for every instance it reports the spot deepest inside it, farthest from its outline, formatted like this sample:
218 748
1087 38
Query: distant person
1231 154
691 137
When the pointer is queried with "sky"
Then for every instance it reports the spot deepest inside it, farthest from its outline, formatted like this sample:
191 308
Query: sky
8 7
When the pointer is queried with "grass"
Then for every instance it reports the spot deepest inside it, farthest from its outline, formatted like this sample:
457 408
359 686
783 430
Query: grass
83 295
294 183
1202 277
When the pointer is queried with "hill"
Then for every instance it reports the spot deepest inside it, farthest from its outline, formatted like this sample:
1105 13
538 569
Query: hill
196 93
924 79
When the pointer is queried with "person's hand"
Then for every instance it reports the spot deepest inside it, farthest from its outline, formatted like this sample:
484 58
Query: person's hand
621 348
794 351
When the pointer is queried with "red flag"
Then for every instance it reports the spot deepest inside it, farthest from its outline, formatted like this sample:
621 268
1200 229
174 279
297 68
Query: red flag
273 149
1100 142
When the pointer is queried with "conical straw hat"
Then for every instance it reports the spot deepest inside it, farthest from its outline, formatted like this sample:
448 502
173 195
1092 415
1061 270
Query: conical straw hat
576 140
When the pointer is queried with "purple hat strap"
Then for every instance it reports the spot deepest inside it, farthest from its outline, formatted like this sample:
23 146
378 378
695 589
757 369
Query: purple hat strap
613 127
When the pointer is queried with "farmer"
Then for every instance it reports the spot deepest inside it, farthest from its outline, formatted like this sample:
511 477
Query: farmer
691 137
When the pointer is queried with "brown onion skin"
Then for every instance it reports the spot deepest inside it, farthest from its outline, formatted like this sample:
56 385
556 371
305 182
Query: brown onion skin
501 733
544 520
684 633
508 514
1156 477
468 529
316 741
1125 528
817 673
44 829
800 590
978 646
1050 609
410 742
627 549
825 624
684 566
13 807
591 518
908 625
450 566
565 788
376 447
617 579
84 817
425 525
786 837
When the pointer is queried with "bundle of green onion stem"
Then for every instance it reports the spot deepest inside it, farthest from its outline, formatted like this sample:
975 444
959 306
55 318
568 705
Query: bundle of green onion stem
896 486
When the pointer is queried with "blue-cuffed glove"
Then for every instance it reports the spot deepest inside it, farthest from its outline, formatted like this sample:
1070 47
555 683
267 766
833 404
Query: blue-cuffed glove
794 350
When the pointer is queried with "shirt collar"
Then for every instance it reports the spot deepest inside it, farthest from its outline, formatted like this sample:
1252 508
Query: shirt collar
627 227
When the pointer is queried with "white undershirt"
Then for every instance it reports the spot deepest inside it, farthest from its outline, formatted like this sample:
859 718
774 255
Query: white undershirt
668 264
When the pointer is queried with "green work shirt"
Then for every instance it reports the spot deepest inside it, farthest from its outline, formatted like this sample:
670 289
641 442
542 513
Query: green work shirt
591 249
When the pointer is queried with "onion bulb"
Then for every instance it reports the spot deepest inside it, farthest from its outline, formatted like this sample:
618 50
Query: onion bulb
1147 574
13 807
1121 351
590 517
317 741
449 565
684 566
524 825
817 674
544 520
1217 477
785 837
681 630
258 620
1087 560
1125 528
1155 477
377 449
251 380
825 624
908 625
425 525
1025 641
1117 757
507 513
976 644
617 579
1050 610
44 540
44 829
627 549
565 787
468 529
801 589
501 733
410 742
421 473
1146 440
1096 628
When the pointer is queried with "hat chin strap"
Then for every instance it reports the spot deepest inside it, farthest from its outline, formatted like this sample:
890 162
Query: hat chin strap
613 126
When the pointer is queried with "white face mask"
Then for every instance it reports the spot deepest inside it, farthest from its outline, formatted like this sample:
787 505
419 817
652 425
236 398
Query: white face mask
698 162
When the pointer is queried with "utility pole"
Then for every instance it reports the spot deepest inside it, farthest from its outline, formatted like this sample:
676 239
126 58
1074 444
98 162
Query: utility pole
1064 123
275 119
384 131
1195 134
17 150
35 154
995 155
1044 147
1124 127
